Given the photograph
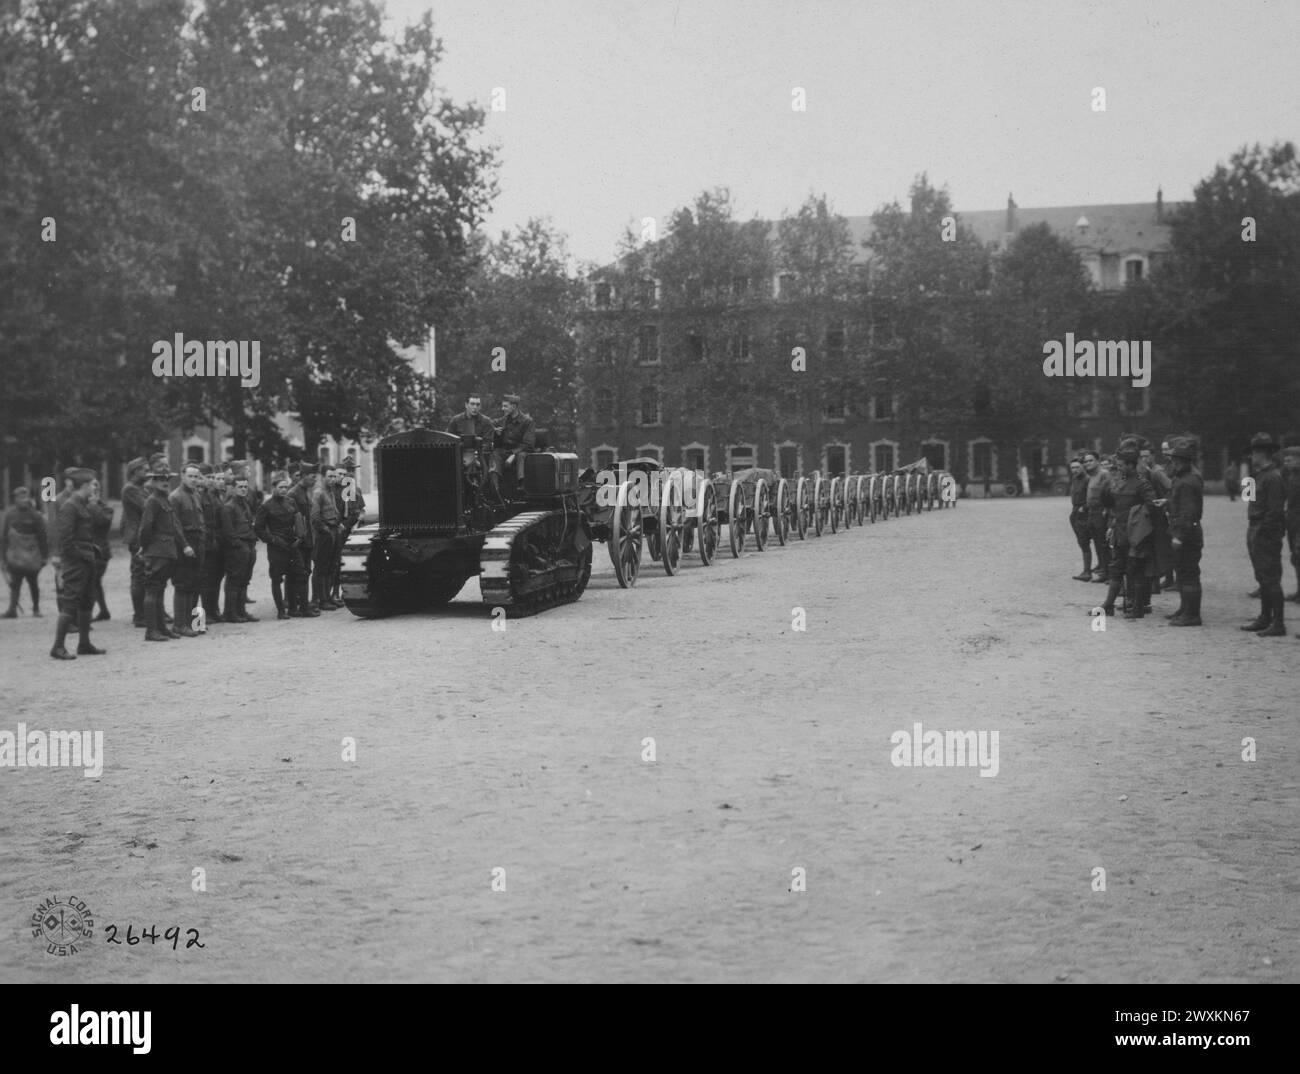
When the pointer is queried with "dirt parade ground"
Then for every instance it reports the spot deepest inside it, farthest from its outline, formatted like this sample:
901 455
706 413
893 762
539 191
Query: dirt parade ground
501 815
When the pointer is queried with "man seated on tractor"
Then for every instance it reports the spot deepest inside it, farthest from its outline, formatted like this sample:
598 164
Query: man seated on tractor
471 422
515 437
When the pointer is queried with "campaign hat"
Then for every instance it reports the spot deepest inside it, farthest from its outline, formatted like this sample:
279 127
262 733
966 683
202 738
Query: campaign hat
510 399
136 465
79 474
159 469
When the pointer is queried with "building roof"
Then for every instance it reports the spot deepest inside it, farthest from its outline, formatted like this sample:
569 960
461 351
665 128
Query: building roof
1112 229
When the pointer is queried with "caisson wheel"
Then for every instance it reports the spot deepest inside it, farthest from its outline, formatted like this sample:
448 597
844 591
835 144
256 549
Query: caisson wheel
706 523
762 514
736 519
672 521
625 539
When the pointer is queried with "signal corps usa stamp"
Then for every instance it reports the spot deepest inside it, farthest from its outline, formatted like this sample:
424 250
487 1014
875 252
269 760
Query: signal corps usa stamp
63 924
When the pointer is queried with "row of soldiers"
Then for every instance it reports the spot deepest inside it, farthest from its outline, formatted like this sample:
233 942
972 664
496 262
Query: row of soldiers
201 537
1143 520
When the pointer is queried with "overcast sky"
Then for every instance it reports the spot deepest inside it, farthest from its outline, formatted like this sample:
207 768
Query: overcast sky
621 109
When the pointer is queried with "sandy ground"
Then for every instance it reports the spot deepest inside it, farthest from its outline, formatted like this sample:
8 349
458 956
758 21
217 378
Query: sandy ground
522 750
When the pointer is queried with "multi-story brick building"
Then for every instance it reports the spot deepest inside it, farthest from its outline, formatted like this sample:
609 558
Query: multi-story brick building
634 355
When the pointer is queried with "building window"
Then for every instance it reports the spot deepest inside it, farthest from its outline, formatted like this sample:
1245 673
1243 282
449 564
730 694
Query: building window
196 452
1134 270
834 411
695 457
602 457
983 459
785 284
741 457
605 404
697 348
936 453
1134 402
228 448
788 462
740 345
1087 401
835 459
649 292
651 451
649 411
325 456
604 352
882 406
883 456
648 344
834 344
604 295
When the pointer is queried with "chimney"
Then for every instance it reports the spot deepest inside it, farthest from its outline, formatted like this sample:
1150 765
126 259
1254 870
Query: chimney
1160 206
1011 215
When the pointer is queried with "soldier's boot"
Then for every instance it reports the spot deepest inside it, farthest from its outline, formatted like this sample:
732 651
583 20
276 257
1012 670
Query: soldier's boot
1138 605
84 648
1182 605
60 651
1192 599
243 606
153 617
181 615
1086 574
277 595
139 617
232 605
308 612
14 591
1264 618
211 600
1277 625
1112 591
36 601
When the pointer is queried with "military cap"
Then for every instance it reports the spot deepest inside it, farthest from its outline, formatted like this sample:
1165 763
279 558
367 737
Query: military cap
159 469
79 474
157 456
1127 454
510 399
1262 442
1181 447
307 468
349 463
136 465
1292 452
205 468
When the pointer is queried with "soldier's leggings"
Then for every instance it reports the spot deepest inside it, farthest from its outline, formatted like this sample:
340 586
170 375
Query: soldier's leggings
1082 534
284 562
210 575
1097 529
323 553
137 584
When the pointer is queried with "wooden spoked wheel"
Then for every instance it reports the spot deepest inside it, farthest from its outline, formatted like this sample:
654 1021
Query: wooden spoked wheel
802 508
625 539
781 517
820 505
762 513
837 504
736 519
672 524
707 526
863 503
850 502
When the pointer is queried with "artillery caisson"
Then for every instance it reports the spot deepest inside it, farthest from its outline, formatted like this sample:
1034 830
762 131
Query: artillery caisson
442 522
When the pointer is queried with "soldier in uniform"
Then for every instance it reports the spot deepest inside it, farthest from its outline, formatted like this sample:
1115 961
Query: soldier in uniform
471 422
278 526
133 501
352 506
1079 516
1185 505
101 525
514 436
187 502
1098 478
24 550
326 529
1291 483
1266 524
160 542
308 478
78 561
239 549
214 567
1129 548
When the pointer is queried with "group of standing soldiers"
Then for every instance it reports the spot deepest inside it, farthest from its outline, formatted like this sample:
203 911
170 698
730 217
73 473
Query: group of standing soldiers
201 537
1143 521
